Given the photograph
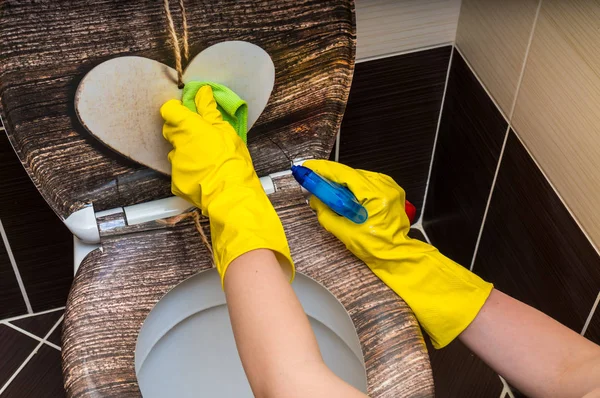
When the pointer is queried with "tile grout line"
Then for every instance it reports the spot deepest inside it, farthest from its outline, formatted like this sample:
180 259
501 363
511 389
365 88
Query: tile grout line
18 317
504 391
522 72
472 69
489 199
558 194
590 315
53 346
405 52
509 393
29 334
26 361
419 226
13 262
516 133
435 138
336 155
508 128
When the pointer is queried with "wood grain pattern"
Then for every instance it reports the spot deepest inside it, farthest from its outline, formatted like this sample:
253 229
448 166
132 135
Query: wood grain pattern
557 113
470 137
47 47
116 288
493 35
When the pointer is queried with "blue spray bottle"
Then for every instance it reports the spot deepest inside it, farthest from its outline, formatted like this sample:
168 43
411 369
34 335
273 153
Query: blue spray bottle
337 197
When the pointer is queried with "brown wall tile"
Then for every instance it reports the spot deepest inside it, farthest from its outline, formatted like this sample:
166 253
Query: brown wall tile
56 336
458 373
11 299
392 114
531 247
41 244
469 141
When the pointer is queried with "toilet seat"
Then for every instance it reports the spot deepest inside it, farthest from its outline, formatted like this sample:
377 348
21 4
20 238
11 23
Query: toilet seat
117 286
312 45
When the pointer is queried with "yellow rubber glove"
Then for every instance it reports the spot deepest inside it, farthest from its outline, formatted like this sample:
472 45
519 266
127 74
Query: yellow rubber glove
444 296
212 168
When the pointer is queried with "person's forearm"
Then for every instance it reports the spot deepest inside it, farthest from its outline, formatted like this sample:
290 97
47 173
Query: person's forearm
274 338
532 351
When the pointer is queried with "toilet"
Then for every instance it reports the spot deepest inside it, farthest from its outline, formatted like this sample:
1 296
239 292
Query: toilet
186 343
146 314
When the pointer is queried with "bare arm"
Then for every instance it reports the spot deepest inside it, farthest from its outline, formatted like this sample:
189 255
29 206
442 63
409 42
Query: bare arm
532 351
275 341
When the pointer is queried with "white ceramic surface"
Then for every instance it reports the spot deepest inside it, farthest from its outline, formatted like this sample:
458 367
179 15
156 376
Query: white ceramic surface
119 100
186 348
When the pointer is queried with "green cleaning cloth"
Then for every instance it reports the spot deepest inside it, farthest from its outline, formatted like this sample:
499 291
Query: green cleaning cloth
233 109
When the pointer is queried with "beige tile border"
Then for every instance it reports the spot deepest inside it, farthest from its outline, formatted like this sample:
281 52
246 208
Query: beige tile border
509 127
388 27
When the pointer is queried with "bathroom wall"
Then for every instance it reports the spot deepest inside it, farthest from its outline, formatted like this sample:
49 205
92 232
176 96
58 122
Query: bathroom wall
515 180
403 50
387 27
36 265
36 270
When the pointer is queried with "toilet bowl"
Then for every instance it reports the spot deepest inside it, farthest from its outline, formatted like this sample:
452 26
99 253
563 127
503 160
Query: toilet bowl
186 344
116 334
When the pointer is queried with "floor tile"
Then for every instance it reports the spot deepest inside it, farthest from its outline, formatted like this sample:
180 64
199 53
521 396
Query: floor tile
15 347
457 372
40 378
531 247
471 134
11 299
39 325
41 244
391 117
55 336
